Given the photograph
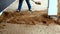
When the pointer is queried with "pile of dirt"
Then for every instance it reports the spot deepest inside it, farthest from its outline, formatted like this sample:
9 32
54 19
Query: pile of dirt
26 17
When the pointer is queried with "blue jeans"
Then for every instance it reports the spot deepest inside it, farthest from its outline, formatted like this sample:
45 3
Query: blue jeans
20 4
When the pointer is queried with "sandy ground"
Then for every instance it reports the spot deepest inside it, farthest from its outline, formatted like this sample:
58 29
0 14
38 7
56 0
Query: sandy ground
30 29
18 28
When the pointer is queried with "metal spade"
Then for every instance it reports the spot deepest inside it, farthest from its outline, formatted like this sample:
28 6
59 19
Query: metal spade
38 3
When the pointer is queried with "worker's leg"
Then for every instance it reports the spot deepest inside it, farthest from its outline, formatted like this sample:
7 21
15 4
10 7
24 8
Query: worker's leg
28 3
20 4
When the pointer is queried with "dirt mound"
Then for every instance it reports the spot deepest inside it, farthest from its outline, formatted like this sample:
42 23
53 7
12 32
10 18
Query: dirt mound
27 17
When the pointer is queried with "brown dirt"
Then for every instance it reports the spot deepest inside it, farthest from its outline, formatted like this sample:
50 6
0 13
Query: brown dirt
26 17
36 17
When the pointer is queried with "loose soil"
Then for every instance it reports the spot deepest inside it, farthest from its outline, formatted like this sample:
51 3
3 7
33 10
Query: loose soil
27 17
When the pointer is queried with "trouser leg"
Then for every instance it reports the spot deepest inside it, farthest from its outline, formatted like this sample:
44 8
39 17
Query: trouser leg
20 4
28 3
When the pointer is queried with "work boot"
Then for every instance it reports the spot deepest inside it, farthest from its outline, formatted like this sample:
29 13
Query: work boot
30 10
17 10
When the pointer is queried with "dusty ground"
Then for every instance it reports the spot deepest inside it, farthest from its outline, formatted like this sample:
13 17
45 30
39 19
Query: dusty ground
30 29
26 17
28 23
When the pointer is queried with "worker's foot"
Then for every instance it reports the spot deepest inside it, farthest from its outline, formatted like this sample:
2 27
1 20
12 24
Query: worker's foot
53 17
17 10
30 10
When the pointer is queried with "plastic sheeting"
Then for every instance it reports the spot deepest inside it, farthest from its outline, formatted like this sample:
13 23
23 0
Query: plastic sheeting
53 9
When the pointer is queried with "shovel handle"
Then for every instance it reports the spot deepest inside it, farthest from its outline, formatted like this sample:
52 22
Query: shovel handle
36 2
33 1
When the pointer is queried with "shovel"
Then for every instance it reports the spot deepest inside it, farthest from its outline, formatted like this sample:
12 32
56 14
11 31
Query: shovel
4 4
38 3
